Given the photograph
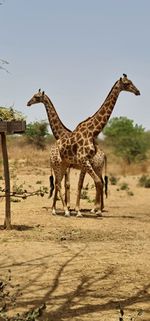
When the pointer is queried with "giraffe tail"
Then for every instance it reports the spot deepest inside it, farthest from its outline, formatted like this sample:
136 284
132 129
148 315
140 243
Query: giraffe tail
51 180
106 177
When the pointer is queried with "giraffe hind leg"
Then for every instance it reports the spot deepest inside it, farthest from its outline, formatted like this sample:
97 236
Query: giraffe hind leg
59 172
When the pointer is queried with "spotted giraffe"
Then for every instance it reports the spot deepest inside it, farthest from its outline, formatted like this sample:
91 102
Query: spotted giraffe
60 168
79 147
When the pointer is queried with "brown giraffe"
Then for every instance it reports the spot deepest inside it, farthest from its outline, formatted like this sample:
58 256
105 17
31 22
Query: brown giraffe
79 147
60 168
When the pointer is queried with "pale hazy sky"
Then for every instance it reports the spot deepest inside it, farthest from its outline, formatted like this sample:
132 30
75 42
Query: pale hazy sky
75 50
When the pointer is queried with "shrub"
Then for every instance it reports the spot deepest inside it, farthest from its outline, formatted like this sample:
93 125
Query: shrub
124 186
36 134
113 180
144 181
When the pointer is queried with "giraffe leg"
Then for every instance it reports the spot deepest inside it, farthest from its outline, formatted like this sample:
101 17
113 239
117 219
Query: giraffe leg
59 172
54 201
87 167
80 185
67 213
67 187
99 199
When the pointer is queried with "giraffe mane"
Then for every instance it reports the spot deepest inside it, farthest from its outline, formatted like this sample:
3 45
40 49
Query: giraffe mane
67 129
100 107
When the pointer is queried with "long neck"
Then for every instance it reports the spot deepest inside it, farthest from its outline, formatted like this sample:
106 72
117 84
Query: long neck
96 123
57 127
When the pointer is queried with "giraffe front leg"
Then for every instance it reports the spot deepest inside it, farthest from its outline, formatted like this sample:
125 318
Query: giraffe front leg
67 187
59 172
98 205
87 167
54 201
99 202
80 185
67 213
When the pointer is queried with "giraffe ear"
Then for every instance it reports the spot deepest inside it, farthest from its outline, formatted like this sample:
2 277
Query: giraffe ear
120 79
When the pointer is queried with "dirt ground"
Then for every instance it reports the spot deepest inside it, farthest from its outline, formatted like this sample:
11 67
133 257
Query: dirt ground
81 268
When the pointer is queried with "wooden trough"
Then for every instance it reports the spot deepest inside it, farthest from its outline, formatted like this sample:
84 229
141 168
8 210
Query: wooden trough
9 127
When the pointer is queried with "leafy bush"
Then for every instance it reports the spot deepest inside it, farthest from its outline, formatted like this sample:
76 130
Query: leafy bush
124 186
36 134
144 181
113 180
128 140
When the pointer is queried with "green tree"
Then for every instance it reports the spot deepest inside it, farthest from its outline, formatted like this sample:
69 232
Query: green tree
36 134
128 140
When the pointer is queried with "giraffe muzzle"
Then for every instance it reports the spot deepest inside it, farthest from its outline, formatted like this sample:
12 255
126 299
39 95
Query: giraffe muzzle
137 93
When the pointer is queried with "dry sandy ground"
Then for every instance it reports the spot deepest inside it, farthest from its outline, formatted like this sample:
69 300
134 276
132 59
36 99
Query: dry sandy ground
81 268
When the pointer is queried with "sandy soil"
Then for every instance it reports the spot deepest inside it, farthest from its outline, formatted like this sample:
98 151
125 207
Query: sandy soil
81 268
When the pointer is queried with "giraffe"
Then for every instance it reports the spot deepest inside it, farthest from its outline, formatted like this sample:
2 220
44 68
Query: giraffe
80 146
60 168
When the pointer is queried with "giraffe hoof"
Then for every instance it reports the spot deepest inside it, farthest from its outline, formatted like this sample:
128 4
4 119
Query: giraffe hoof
99 213
67 214
53 212
79 215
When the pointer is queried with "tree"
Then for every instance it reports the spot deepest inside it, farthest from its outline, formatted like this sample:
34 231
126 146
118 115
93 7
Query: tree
128 140
36 133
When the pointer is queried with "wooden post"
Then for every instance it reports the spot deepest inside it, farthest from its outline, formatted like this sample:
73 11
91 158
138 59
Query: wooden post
7 221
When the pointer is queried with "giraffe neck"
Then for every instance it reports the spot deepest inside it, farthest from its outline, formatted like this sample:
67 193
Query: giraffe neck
95 124
57 127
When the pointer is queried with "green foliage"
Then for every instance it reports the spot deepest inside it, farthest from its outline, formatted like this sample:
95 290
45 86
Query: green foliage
124 186
9 299
36 134
144 181
147 138
84 195
113 180
128 140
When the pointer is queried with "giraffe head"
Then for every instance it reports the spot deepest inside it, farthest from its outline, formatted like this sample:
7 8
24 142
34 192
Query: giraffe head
37 98
127 85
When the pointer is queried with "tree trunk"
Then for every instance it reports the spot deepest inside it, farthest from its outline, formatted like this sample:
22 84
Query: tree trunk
7 221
